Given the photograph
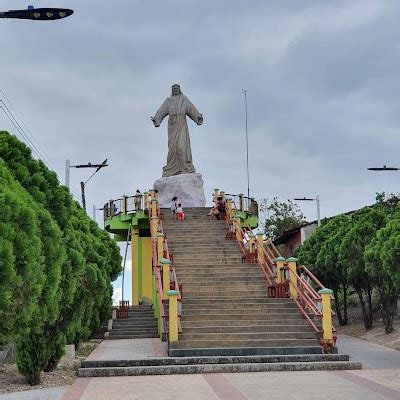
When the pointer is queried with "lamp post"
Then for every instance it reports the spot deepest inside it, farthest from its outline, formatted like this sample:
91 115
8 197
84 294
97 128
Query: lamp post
83 184
318 208
38 14
244 91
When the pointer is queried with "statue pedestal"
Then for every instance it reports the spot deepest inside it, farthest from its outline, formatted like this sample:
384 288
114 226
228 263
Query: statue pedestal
188 188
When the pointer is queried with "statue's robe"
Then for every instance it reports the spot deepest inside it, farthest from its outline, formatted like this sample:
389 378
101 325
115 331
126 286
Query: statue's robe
179 160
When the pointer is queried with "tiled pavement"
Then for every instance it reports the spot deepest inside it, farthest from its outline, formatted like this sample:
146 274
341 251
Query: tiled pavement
128 349
380 379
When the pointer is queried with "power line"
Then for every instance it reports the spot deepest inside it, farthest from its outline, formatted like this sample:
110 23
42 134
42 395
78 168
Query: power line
26 127
28 141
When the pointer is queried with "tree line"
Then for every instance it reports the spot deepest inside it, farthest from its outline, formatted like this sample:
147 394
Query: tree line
359 251
56 264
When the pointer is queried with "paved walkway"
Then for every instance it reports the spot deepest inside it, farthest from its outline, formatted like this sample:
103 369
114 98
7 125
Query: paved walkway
128 349
379 380
54 393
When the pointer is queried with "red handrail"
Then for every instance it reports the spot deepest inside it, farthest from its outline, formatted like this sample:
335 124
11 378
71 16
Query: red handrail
160 293
307 297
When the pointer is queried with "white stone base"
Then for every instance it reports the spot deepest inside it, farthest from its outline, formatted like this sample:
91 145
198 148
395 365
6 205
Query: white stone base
188 188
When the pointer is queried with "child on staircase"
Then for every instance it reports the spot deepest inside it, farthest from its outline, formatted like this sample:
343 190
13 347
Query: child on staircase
179 212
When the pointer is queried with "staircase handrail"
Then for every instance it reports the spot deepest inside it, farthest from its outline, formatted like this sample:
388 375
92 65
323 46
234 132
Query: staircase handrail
308 300
168 257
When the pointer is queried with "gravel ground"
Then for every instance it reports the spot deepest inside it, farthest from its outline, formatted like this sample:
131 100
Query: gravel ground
12 381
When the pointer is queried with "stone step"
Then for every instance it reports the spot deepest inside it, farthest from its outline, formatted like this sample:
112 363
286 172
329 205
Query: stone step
207 301
136 326
228 337
162 361
218 368
140 318
217 286
189 311
243 329
248 307
209 343
192 324
132 336
119 332
245 351
205 281
216 265
188 293
211 316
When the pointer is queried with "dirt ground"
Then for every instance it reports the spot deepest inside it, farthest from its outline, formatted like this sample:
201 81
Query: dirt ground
12 381
375 335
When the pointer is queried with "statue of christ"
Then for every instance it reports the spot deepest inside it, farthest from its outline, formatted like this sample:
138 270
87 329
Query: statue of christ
177 106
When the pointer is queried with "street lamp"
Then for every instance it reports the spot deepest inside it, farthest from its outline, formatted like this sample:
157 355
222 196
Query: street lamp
318 209
384 168
38 14
88 165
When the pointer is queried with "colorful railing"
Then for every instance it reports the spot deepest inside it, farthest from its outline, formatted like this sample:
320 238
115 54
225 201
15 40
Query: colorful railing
166 287
284 278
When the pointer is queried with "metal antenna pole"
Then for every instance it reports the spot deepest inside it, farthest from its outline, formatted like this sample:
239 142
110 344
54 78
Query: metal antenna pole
318 212
247 144
67 167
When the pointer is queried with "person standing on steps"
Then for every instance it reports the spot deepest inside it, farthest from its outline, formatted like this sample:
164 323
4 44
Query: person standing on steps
138 200
174 206
179 212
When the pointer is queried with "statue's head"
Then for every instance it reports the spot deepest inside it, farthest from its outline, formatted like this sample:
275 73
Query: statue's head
176 90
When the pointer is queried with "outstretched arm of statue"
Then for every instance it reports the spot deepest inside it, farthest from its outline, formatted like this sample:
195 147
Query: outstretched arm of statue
193 114
160 114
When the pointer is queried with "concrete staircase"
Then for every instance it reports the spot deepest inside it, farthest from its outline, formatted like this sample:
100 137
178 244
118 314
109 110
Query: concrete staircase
226 310
229 324
139 324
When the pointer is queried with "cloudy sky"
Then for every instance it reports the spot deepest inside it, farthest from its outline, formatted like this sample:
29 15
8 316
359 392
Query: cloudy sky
322 79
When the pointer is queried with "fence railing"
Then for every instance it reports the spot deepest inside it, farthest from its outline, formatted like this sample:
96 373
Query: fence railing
124 205
284 278
243 203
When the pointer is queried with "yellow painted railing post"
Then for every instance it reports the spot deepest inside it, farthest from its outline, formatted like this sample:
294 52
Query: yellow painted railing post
222 194
238 229
160 246
152 194
241 208
260 247
280 263
146 200
166 266
123 204
326 314
252 242
154 225
215 196
173 315
135 266
229 207
153 207
292 263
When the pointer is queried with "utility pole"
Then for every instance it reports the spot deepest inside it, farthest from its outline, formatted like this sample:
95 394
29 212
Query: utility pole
244 91
88 165
94 212
67 167
83 195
